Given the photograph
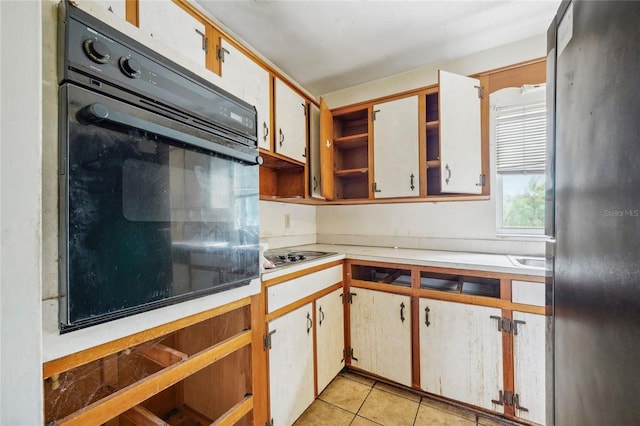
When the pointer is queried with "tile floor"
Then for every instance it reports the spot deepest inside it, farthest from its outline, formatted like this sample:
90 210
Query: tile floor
351 399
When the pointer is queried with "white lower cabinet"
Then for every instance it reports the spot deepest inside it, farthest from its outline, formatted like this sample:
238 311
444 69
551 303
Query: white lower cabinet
461 352
329 337
381 334
529 365
291 365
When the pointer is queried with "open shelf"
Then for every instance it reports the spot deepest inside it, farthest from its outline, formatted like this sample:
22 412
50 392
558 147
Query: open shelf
360 140
433 163
351 172
280 177
351 154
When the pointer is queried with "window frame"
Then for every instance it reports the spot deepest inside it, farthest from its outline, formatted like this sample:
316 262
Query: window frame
502 98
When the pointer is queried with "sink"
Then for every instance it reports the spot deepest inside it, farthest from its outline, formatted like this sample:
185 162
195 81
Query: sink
528 261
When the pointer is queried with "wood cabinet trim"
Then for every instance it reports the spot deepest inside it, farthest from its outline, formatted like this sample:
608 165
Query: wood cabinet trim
235 413
507 363
77 359
131 12
259 361
385 288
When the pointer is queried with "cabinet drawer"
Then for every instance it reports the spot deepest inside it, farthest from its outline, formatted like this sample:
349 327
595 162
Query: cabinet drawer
288 292
528 293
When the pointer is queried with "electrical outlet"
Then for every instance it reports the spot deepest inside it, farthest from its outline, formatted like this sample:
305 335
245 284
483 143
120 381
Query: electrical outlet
287 221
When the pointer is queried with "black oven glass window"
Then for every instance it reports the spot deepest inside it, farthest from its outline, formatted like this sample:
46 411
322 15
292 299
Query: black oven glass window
152 221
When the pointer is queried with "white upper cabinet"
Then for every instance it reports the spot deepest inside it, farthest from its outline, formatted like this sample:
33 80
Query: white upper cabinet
461 352
290 110
249 81
169 23
117 7
395 143
314 147
460 136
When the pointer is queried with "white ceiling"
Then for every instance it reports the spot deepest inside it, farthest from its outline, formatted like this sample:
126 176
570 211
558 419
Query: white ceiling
330 45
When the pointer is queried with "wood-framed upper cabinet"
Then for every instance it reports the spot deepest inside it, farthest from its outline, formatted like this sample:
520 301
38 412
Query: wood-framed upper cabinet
249 81
290 122
315 179
184 32
344 152
460 133
396 148
325 149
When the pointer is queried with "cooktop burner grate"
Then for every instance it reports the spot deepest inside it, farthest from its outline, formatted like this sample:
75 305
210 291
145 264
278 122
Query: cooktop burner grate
290 257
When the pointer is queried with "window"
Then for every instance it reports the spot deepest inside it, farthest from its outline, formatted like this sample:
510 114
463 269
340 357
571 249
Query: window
520 140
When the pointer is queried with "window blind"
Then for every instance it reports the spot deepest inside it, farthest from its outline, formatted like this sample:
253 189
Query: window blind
521 138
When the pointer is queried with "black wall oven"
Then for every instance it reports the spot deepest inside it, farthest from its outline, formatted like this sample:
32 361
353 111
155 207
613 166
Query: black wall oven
158 179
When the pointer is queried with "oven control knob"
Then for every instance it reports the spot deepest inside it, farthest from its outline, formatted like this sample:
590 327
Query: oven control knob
130 67
96 50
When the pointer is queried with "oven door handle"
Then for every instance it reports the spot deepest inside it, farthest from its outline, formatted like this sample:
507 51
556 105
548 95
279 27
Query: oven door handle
98 112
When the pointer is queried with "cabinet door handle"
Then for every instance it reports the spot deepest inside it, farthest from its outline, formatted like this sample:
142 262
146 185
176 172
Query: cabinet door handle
281 136
412 186
315 183
448 169
309 322
426 316
402 312
265 131
374 187
321 316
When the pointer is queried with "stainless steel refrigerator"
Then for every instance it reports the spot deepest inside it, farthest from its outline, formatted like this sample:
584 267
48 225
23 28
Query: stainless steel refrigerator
594 152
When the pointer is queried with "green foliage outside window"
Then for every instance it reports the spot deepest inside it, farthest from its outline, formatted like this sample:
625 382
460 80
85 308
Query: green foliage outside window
526 208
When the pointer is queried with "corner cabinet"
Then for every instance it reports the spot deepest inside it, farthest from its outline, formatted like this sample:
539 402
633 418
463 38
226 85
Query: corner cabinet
344 152
304 339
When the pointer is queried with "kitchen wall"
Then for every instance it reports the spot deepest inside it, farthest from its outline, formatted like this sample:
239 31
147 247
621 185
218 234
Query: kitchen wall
458 226
286 224
20 213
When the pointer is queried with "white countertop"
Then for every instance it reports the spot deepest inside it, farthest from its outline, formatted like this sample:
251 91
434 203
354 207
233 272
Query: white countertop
444 259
